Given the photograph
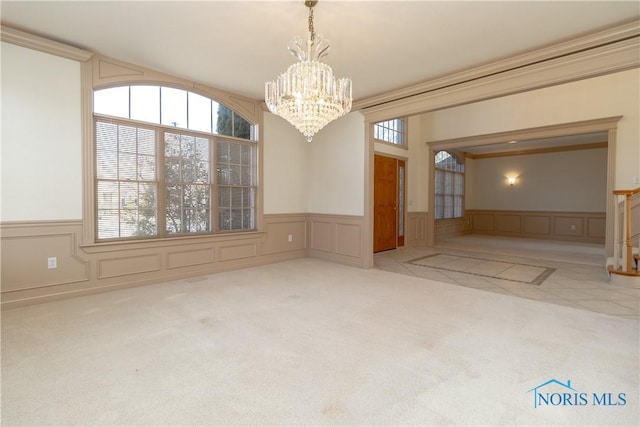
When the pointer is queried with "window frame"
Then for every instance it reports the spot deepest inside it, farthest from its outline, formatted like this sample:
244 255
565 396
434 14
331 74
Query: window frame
459 161
161 183
101 72
403 132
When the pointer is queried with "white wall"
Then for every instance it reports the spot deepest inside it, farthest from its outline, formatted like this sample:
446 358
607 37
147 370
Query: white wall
336 167
41 136
286 167
605 96
564 181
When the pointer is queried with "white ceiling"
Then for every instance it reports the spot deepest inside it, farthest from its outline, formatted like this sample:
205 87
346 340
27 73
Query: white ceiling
382 45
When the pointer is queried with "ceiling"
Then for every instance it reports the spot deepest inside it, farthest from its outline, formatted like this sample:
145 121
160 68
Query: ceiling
382 45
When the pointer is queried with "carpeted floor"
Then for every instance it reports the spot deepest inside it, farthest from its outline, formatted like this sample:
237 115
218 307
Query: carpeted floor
308 342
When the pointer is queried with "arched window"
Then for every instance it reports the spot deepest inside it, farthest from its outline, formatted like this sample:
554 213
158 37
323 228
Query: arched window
171 162
449 186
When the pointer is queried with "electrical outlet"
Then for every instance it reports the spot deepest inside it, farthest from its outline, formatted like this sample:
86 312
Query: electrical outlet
52 262
636 180
290 238
573 227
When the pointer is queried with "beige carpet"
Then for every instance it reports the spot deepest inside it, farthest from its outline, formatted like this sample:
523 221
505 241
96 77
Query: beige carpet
308 342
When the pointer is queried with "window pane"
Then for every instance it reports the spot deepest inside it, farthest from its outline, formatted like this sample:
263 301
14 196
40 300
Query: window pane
147 225
126 189
224 219
439 214
188 196
112 101
241 127
224 123
392 131
173 107
108 224
459 184
106 150
188 209
199 112
449 186
145 103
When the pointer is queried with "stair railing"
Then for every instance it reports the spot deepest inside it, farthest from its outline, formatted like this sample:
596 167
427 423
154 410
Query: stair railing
623 245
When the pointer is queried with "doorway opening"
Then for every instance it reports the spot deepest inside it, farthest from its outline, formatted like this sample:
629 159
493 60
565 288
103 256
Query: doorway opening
549 136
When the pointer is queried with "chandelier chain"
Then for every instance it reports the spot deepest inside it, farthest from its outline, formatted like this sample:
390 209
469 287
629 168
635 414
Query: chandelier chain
311 29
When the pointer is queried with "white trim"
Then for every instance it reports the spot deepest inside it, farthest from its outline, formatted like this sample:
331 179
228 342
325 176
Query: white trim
24 39
604 52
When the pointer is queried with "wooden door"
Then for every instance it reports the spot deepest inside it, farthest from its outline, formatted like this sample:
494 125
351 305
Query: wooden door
385 203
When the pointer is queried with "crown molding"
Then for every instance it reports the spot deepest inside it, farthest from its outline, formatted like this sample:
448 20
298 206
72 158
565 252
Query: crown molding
533 60
527 151
608 59
31 41
605 124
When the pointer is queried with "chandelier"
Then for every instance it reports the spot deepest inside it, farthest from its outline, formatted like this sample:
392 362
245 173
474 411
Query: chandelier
307 95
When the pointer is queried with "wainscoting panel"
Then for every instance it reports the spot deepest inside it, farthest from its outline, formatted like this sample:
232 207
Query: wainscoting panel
415 233
574 226
191 257
323 235
348 238
285 233
569 226
483 222
336 238
447 228
509 223
26 247
231 252
596 227
128 265
537 224
88 269
83 270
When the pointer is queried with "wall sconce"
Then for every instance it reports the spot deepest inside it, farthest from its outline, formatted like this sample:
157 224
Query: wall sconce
511 180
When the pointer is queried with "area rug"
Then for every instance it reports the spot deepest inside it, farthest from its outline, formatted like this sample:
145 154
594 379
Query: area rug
485 267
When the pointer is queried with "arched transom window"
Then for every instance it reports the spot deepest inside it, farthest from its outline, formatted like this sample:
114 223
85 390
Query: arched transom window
170 162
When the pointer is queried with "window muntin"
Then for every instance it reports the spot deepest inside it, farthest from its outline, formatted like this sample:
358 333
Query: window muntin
171 107
154 180
392 131
449 186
